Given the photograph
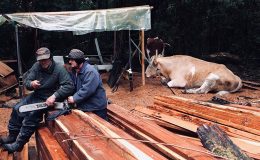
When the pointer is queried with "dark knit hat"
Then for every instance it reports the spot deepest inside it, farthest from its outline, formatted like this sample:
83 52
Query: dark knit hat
43 53
76 54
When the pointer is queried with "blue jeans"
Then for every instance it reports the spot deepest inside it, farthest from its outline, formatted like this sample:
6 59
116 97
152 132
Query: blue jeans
102 113
25 123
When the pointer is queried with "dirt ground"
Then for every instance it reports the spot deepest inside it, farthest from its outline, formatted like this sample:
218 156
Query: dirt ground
143 95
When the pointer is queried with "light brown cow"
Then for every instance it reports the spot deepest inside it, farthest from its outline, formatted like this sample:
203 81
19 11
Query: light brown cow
195 75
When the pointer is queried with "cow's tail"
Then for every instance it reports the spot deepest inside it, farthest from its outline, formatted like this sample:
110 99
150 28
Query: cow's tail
238 86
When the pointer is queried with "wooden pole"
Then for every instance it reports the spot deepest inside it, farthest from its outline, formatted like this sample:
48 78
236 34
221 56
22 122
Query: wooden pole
143 55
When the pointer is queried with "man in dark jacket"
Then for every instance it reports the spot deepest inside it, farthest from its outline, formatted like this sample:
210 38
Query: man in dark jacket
90 95
50 82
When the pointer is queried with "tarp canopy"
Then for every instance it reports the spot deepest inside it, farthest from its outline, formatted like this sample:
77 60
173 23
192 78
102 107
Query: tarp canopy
82 22
2 20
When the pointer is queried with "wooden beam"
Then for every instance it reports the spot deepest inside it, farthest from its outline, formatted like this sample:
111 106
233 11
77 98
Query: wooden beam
199 121
243 121
180 146
139 135
24 154
129 144
246 145
48 147
90 137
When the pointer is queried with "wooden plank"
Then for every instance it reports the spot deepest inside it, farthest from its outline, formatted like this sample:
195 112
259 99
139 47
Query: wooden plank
248 146
123 141
251 83
184 148
52 148
5 69
88 144
24 154
242 121
170 154
3 154
61 133
217 106
199 121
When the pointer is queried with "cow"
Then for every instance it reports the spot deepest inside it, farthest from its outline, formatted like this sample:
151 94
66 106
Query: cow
195 75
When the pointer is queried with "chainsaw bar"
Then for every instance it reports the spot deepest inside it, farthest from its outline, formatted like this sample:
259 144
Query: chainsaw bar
39 106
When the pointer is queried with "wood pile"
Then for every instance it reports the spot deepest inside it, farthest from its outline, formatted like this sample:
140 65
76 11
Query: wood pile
242 124
131 135
7 81
82 136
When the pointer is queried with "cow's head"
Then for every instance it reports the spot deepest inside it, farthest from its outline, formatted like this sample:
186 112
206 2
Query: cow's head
152 68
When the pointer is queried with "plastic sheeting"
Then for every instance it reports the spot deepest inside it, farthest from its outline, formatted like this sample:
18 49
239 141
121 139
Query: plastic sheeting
82 22
2 20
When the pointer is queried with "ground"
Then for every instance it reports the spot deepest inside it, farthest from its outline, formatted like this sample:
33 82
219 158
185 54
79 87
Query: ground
142 95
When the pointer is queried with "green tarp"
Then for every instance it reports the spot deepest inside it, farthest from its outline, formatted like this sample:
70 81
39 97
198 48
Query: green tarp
82 22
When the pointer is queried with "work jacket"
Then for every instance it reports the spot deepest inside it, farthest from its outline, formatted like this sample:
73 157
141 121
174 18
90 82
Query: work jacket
90 94
54 80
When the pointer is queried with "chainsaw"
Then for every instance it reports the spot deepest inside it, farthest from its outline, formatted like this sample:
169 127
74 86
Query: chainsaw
61 108
42 106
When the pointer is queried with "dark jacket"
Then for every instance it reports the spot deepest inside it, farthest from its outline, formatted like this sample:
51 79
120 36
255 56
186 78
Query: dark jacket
54 80
90 94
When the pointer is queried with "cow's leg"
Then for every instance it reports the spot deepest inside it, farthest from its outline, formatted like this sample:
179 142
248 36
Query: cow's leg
164 80
207 86
175 83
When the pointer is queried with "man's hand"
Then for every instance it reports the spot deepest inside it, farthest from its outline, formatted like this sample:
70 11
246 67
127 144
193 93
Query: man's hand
70 99
35 84
50 101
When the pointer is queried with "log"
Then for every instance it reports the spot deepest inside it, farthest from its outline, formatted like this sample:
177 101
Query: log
217 141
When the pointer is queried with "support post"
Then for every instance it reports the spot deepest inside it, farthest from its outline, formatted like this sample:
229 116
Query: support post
19 62
143 55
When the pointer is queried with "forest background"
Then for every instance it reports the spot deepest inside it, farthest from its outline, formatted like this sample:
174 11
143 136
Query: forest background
193 27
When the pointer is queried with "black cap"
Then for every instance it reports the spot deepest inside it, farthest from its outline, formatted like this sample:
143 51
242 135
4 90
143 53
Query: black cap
76 54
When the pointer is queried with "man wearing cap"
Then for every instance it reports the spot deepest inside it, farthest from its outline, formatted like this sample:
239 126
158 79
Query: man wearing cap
50 82
90 95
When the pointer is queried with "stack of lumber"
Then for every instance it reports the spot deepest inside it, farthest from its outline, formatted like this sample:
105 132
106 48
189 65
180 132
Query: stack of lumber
241 124
173 146
7 81
82 136
131 136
